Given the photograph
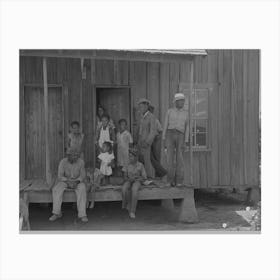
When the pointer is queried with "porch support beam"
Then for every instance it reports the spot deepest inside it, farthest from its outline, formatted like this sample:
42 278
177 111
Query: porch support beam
46 109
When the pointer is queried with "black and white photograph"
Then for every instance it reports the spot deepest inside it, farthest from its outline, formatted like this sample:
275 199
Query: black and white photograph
140 139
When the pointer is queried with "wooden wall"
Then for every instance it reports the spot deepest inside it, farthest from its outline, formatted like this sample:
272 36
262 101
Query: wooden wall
233 76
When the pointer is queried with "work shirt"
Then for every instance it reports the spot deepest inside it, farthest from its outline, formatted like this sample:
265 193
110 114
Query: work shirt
147 128
176 119
71 171
135 171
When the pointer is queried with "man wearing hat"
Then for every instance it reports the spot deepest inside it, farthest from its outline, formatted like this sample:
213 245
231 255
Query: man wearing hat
175 134
146 134
71 175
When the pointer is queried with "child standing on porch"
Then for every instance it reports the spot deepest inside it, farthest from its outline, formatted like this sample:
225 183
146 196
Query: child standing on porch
134 175
103 173
105 133
124 141
75 138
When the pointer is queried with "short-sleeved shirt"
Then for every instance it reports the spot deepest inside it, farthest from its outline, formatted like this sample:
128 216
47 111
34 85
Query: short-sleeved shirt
135 171
76 140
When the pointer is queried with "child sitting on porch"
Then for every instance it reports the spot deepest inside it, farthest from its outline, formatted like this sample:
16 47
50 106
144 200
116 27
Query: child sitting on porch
134 176
124 141
101 176
75 138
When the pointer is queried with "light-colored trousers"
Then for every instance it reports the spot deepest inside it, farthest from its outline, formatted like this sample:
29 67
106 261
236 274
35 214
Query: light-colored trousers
81 193
130 195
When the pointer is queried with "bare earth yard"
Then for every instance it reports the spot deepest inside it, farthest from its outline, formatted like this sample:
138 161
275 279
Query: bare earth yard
222 212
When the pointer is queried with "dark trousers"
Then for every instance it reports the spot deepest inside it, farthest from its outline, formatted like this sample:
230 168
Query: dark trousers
175 160
155 157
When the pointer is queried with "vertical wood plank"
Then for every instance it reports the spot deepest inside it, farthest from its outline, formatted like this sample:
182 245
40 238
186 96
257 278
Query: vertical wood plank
45 79
164 100
66 115
245 89
22 119
153 86
93 72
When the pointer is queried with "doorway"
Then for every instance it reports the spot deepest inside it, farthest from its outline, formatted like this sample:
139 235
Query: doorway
116 102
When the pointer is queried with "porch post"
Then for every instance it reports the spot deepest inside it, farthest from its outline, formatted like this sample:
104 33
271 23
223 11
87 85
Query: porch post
190 124
46 108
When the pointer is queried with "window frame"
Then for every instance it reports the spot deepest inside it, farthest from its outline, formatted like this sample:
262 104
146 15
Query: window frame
186 89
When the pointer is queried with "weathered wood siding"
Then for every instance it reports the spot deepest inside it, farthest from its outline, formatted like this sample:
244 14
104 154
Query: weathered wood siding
231 75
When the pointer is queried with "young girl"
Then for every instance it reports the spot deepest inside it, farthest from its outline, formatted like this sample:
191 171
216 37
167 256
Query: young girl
124 141
105 133
75 138
103 173
135 176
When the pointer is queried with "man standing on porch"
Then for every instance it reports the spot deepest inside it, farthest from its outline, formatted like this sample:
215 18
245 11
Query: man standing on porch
146 134
71 174
175 134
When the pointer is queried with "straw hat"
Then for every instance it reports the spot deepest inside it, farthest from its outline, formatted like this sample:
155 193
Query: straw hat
179 96
144 100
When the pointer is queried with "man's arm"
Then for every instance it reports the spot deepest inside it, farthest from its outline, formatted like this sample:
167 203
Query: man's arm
165 125
82 176
143 172
153 130
60 173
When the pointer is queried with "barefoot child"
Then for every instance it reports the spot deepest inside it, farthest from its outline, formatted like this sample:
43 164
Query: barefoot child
134 175
75 138
124 140
102 175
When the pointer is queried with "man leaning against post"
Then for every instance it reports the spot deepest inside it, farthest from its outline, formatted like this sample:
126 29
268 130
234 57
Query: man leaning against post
71 175
146 134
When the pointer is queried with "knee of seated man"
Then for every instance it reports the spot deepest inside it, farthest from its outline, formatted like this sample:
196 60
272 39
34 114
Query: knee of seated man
81 186
136 185
60 185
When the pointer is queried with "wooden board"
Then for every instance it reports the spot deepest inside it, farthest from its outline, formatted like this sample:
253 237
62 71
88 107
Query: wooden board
56 128
253 117
35 154
146 193
153 79
224 119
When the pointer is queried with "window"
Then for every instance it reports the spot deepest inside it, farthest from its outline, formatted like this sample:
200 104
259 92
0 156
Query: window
200 118
200 114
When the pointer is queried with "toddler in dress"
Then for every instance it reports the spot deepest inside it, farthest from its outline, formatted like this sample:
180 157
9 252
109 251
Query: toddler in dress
103 173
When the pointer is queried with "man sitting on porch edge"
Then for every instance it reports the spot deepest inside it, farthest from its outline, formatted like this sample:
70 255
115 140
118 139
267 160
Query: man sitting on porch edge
71 174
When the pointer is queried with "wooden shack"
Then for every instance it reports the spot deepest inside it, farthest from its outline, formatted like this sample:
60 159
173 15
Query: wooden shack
60 86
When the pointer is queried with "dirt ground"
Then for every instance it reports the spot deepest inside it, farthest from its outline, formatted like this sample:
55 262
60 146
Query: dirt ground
217 211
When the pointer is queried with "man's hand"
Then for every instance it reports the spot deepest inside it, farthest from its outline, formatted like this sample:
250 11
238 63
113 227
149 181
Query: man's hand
73 184
164 144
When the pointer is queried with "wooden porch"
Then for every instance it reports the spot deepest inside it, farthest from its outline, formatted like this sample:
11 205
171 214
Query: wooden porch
38 191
